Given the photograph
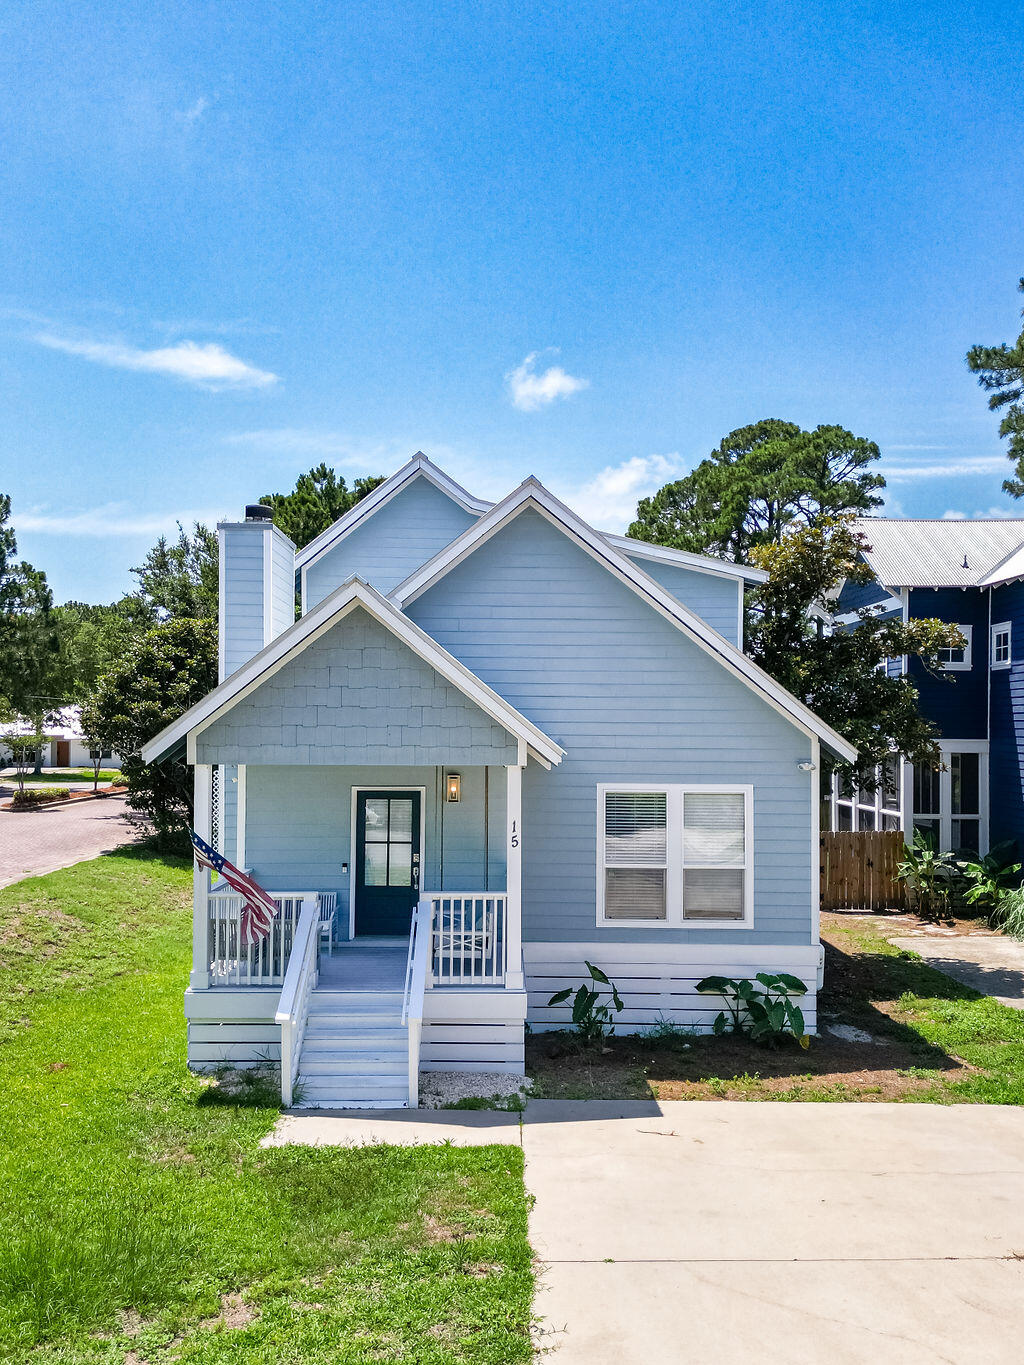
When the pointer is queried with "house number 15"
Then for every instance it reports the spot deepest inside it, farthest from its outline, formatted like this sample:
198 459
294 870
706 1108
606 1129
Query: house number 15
515 834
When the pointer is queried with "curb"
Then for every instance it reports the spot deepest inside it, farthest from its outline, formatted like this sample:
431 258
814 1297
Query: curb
64 805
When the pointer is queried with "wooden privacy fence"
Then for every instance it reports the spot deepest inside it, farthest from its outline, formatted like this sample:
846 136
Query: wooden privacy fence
858 870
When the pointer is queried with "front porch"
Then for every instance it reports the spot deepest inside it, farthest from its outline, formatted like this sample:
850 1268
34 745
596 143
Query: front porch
352 1016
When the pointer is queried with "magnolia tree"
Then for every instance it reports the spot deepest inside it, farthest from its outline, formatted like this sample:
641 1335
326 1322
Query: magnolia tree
841 674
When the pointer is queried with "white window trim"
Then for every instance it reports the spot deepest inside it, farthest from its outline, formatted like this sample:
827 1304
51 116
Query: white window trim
674 793
1001 628
965 666
944 815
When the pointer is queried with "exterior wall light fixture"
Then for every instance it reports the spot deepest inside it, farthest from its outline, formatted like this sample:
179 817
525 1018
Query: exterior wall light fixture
453 787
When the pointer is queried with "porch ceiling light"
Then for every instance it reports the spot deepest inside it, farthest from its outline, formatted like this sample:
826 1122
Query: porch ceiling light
453 787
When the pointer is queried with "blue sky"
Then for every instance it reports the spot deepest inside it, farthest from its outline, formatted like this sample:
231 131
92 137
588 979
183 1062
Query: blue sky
579 241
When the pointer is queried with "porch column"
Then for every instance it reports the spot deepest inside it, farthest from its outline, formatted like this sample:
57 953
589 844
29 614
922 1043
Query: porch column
514 879
202 823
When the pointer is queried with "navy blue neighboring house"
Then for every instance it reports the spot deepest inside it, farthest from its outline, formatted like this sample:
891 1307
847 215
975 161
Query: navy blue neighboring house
970 573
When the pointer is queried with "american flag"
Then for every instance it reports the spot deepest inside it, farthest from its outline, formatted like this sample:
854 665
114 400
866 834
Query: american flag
258 910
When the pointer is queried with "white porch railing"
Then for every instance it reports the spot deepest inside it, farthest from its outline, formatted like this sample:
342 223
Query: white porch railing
265 963
415 985
300 979
468 937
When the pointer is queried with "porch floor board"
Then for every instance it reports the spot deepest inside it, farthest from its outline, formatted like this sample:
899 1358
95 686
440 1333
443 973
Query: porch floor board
365 965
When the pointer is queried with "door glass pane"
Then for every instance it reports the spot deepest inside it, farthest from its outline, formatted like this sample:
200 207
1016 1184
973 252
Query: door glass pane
891 784
865 818
401 821
710 894
376 865
964 834
400 868
844 817
963 783
926 790
376 819
712 827
929 830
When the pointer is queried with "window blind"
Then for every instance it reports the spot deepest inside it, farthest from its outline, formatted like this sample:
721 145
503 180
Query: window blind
635 854
713 828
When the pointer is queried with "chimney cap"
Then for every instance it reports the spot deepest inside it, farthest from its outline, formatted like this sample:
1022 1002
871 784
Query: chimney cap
259 511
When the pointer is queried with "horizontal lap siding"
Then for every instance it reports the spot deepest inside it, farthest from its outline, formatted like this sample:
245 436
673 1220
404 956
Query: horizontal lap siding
407 531
298 827
472 1031
1006 750
957 702
659 986
282 595
243 594
356 695
714 599
632 700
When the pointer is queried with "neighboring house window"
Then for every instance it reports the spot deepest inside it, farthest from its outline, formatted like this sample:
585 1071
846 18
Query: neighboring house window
675 855
959 659
1001 641
875 805
950 804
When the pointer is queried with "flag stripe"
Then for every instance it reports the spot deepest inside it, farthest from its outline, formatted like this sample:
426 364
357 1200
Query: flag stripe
258 907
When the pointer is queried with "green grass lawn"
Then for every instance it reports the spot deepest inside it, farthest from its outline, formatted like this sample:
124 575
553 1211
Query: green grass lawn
48 777
141 1222
933 1040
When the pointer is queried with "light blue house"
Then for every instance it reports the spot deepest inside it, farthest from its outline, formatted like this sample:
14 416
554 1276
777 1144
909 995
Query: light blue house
495 743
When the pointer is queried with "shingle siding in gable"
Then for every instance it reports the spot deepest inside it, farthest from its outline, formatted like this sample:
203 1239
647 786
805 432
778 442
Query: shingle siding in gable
398 538
715 600
631 700
356 695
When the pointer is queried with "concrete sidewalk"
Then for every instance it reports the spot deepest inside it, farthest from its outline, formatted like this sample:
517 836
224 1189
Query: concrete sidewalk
991 963
688 1232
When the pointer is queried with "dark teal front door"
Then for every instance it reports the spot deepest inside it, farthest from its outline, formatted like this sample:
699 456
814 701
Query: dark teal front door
387 861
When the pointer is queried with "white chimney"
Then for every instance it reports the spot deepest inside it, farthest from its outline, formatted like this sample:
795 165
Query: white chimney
257 587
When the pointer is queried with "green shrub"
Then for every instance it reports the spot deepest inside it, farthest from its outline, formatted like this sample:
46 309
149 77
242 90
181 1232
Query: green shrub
591 1017
38 796
1009 913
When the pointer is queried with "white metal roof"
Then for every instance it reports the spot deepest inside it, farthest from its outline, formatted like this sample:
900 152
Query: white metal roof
939 552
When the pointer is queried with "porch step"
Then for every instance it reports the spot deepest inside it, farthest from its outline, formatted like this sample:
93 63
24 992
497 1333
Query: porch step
356 1065
375 1042
350 1092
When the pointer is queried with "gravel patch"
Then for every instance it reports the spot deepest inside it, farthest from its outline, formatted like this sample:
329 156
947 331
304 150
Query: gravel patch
439 1089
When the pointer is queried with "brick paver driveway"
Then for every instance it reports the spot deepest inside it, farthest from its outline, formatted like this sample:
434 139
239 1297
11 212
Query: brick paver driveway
38 841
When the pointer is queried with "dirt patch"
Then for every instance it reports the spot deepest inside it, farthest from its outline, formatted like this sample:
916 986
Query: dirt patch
437 1231
481 1270
234 1314
906 922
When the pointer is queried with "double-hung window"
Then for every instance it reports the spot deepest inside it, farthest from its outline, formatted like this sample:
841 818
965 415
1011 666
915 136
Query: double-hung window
958 659
675 855
1001 650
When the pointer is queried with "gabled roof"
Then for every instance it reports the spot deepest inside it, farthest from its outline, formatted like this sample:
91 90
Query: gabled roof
938 552
419 467
532 494
333 608
666 554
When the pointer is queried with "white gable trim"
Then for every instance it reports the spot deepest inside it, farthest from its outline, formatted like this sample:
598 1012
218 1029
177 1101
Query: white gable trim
418 467
721 568
324 615
532 494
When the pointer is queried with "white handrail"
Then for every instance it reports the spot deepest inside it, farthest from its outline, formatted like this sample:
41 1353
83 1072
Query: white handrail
415 986
299 981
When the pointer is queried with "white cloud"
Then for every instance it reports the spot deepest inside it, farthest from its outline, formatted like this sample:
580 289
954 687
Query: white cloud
110 519
608 500
195 111
993 514
209 366
955 469
529 390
